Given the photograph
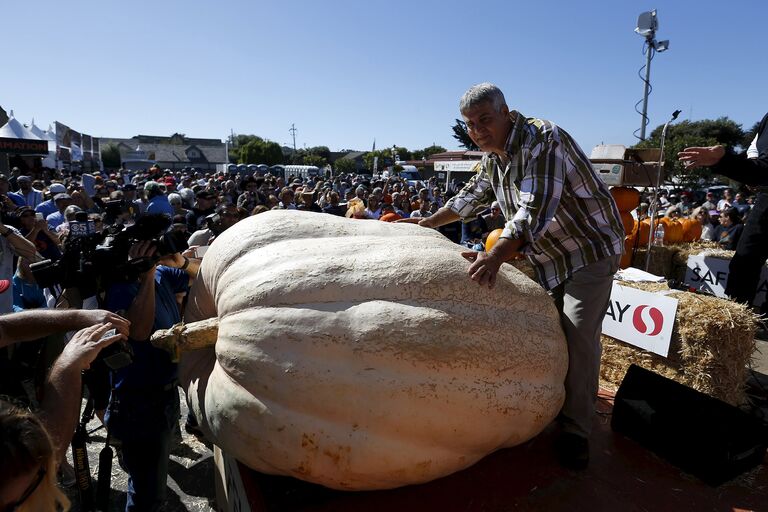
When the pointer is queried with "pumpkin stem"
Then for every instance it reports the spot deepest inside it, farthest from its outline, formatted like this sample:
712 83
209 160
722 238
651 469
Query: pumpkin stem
185 337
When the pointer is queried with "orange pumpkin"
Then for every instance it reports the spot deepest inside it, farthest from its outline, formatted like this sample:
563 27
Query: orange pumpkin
493 237
691 230
673 230
629 222
627 198
390 217
645 230
626 258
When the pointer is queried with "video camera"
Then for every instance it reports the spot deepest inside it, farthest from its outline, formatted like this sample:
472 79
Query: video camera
92 260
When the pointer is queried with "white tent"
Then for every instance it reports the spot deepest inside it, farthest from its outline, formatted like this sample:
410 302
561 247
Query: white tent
37 131
13 129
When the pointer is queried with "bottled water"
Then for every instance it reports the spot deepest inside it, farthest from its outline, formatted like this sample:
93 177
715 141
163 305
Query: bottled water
658 235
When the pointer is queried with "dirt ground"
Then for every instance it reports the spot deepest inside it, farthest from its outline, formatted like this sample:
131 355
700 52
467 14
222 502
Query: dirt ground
190 478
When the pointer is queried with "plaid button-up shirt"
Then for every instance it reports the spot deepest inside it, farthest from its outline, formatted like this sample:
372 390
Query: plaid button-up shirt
551 197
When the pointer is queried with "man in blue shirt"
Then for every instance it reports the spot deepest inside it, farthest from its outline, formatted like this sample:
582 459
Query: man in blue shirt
146 389
48 206
157 200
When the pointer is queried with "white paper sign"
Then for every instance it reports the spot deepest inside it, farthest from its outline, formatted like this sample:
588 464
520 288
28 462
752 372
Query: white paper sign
640 318
710 275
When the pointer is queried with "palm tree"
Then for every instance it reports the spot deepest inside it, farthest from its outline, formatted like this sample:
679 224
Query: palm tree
460 134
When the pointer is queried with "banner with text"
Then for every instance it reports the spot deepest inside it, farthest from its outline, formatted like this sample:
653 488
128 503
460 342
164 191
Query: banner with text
640 318
710 275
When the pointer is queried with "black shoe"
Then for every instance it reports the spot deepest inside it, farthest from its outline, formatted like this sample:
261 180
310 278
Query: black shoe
572 451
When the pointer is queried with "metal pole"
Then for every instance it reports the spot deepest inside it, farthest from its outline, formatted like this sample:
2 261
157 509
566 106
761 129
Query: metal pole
652 208
649 42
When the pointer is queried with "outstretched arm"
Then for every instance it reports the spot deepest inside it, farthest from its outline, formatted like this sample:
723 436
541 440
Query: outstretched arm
37 323
60 405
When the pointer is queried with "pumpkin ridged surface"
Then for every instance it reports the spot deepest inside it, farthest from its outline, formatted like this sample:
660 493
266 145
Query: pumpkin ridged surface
359 355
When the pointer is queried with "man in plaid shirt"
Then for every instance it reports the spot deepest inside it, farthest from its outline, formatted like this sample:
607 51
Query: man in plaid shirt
562 217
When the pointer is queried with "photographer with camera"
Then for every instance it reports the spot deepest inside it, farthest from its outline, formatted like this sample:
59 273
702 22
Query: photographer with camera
225 216
35 229
251 196
146 390
31 446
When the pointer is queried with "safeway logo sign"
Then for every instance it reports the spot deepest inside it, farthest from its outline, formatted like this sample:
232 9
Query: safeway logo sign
710 275
655 315
640 318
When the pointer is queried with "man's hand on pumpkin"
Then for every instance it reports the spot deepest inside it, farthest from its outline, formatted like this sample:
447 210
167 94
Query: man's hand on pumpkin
484 267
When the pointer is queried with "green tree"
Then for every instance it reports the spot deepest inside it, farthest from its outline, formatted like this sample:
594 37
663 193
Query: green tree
460 134
428 152
321 151
259 151
749 136
385 158
403 153
110 157
343 166
316 160
707 132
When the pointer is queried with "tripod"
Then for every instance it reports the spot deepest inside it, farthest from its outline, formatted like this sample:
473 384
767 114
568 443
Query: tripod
89 501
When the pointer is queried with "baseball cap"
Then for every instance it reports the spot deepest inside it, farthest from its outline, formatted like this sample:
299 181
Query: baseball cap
57 188
58 197
24 178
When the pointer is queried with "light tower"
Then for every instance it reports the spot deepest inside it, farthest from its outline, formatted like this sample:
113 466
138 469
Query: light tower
647 24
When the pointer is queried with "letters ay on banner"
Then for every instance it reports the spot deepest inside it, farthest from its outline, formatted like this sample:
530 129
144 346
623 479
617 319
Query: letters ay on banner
640 318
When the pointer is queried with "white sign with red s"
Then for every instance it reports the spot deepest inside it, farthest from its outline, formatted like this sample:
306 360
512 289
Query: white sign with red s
640 318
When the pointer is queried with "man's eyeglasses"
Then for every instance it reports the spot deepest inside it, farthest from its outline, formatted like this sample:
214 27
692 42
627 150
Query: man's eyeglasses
12 507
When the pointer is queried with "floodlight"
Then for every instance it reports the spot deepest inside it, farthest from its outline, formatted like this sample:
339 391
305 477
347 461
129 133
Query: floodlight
662 45
647 23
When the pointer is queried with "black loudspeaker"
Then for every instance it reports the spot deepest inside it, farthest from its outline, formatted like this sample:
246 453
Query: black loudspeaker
701 435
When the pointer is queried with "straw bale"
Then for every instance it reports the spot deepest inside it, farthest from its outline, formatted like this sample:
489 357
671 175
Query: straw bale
712 344
661 259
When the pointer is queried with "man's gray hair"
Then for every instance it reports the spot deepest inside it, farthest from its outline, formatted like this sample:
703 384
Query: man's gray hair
481 93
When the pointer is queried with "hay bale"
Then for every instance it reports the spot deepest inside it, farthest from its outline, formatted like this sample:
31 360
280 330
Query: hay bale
661 259
712 344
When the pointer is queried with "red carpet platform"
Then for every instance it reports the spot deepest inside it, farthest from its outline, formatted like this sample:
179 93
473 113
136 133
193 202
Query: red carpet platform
622 476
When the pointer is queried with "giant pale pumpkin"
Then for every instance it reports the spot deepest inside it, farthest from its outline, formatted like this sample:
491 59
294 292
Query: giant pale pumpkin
359 355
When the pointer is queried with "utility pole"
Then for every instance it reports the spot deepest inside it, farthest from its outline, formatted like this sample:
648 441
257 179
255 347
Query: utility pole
293 132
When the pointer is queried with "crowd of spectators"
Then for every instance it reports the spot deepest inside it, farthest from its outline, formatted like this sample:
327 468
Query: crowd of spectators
722 218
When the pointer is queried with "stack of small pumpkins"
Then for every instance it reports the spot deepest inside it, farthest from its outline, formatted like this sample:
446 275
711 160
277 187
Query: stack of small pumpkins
677 230
627 199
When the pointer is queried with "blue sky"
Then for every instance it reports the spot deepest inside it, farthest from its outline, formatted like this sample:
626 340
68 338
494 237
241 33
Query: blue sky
346 72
